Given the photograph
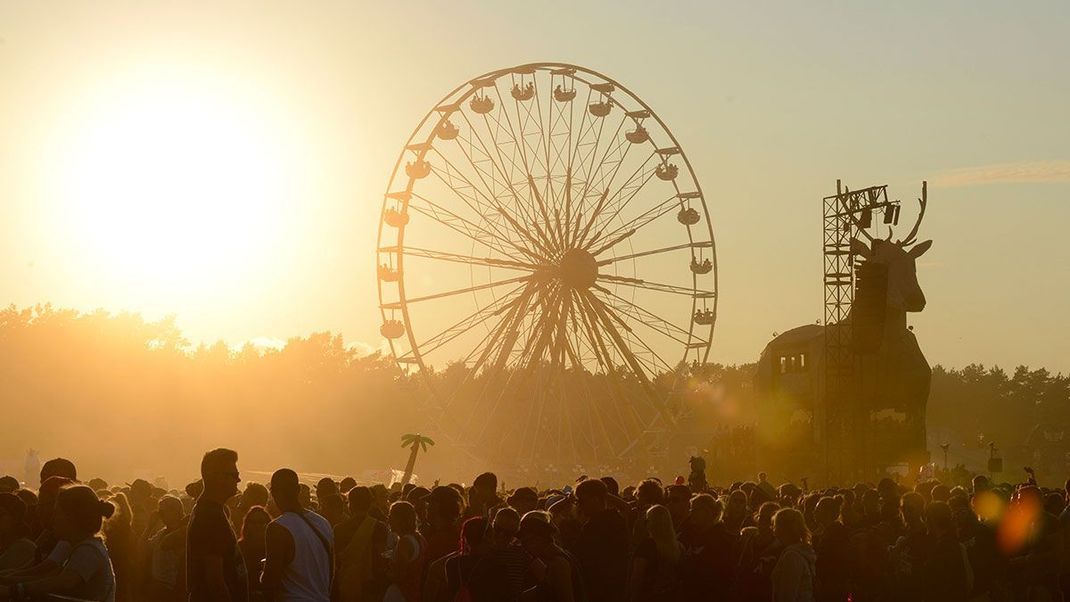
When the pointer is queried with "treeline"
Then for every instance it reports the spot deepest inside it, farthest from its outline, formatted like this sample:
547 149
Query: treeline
129 397
1026 415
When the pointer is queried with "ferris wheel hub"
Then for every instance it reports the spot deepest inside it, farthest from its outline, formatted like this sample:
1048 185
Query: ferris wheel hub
578 269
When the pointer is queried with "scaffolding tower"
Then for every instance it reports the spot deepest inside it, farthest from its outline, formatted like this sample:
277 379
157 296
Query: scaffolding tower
841 421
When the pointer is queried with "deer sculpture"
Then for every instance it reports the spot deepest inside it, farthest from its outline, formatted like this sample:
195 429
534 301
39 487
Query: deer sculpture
890 377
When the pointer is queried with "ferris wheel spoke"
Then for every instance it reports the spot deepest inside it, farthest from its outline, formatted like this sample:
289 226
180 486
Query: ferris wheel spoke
494 201
449 178
504 336
648 318
492 342
525 168
461 291
686 245
638 370
519 141
540 240
467 228
465 259
629 189
608 309
466 324
516 379
595 425
613 143
627 230
533 350
603 357
606 200
512 333
655 286
533 192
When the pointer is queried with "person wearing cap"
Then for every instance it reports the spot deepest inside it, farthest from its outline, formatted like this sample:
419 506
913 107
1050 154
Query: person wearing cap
59 467
523 500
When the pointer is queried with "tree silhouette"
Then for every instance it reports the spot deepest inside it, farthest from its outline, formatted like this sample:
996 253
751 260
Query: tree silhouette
416 443
127 397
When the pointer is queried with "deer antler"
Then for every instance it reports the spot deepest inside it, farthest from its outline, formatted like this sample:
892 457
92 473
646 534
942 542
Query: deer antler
924 200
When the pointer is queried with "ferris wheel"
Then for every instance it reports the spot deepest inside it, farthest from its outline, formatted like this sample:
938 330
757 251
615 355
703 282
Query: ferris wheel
546 261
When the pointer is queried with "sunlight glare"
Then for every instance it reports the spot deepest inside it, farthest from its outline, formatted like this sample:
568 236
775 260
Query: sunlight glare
172 185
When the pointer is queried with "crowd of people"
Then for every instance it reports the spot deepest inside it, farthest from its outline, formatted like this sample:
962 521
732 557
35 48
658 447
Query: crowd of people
593 540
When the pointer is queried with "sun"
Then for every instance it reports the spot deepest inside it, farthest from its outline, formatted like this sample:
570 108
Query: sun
173 184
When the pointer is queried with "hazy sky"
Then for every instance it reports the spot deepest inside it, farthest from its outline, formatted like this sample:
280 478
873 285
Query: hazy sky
116 117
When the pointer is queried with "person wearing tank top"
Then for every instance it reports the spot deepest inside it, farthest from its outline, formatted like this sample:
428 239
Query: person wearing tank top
299 564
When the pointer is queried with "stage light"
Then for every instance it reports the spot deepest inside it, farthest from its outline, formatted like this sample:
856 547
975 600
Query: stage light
867 219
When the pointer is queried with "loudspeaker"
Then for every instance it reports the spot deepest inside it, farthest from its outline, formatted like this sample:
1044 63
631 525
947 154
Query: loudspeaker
870 306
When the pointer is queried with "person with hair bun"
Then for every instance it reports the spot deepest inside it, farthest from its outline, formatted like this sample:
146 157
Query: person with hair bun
86 573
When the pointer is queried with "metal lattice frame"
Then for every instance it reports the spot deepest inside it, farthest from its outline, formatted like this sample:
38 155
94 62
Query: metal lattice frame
553 188
842 436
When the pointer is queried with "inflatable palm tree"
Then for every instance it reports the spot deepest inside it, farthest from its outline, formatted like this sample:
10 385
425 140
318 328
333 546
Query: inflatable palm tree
416 443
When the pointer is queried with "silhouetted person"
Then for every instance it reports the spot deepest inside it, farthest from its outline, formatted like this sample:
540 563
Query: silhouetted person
832 544
759 551
253 544
793 577
360 543
255 494
333 508
119 534
86 572
473 574
707 565
602 548
562 581
507 553
442 531
655 567
678 501
215 569
945 575
408 556
16 547
483 496
51 551
165 545
59 467
524 500
911 551
299 560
